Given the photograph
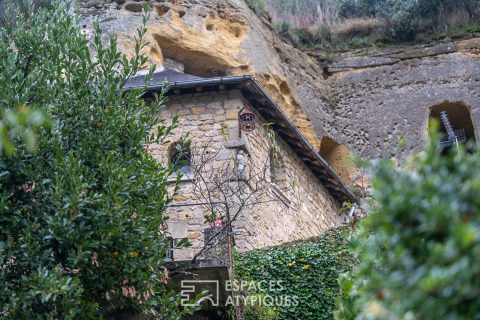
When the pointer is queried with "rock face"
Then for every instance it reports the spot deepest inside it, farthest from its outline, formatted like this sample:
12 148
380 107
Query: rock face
366 101
218 38
386 95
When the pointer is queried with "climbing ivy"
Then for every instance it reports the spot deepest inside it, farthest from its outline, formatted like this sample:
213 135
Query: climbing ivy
306 270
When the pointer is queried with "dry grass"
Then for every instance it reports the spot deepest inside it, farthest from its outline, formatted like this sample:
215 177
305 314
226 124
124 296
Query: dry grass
457 18
358 27
302 14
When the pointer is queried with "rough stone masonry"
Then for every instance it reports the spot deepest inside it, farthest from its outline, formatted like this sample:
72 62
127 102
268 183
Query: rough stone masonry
305 207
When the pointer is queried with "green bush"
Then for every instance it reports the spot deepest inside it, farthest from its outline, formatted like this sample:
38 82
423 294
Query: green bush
419 250
407 18
258 6
80 217
307 270
390 20
254 311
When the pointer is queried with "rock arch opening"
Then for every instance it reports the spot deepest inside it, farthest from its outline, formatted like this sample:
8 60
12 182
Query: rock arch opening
455 123
196 62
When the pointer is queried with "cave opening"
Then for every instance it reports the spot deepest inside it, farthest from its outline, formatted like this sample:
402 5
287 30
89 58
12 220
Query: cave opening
195 62
455 124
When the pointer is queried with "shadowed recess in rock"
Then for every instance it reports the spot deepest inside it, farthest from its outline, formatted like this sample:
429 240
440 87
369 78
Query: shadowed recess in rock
338 156
196 63
459 117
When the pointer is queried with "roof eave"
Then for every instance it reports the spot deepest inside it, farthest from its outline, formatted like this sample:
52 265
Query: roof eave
314 154
347 194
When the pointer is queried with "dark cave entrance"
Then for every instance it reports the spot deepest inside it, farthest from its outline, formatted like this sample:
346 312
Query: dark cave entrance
455 124
195 62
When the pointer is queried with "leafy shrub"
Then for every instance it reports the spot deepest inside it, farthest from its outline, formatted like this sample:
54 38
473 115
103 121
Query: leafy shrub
307 270
282 28
461 31
420 248
382 20
407 18
80 217
305 13
304 36
357 27
255 311
258 6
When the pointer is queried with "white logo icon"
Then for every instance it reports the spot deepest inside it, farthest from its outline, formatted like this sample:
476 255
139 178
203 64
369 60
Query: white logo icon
189 287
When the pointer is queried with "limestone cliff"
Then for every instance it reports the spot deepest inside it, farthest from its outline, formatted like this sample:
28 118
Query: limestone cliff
365 102
216 38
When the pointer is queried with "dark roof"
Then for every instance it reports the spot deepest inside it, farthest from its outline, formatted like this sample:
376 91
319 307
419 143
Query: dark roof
270 111
158 78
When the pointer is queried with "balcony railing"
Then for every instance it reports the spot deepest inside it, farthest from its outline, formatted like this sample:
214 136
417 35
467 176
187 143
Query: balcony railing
215 253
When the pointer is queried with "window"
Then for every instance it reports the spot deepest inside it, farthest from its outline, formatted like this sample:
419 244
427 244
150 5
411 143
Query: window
180 157
170 244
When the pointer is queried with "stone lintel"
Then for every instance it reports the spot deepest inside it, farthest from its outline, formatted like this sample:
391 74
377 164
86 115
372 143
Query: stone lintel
238 144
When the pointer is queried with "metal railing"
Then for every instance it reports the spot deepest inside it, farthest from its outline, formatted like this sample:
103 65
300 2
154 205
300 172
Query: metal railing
447 140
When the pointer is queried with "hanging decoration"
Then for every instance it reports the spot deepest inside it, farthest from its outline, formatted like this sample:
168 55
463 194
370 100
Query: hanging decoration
246 119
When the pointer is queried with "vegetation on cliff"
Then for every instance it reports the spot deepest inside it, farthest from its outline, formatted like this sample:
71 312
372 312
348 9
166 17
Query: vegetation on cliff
80 215
344 24
420 248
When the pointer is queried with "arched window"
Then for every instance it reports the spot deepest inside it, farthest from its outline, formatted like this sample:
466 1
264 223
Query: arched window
455 124
180 157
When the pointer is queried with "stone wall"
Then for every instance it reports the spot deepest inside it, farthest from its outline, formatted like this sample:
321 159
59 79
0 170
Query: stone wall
310 210
303 207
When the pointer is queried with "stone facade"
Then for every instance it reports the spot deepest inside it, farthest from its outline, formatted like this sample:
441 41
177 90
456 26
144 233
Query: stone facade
303 207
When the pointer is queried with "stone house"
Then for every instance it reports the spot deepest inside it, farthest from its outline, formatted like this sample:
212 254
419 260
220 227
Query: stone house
304 193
